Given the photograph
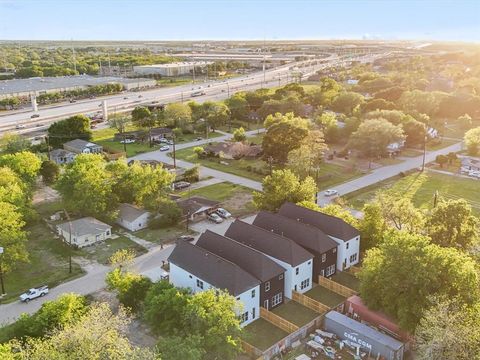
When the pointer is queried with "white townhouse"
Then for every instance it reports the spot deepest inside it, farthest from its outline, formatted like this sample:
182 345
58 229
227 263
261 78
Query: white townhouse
297 261
346 236
198 269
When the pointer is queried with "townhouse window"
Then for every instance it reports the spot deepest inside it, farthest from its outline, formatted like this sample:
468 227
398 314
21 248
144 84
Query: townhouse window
304 284
280 277
267 286
190 276
253 293
244 317
353 258
309 263
347 245
324 258
277 299
238 298
297 270
330 270
253 313
200 284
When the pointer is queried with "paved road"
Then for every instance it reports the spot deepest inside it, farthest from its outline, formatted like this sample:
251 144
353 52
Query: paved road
386 172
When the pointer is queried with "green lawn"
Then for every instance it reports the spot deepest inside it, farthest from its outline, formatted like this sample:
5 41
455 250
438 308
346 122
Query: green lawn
346 279
448 186
48 263
263 334
162 236
333 174
296 313
236 199
101 252
185 138
432 146
132 149
325 296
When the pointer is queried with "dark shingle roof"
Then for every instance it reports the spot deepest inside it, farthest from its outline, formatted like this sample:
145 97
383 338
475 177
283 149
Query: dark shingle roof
195 204
211 268
305 235
249 259
330 225
268 243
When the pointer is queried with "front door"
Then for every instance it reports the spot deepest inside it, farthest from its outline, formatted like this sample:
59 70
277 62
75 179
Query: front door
265 304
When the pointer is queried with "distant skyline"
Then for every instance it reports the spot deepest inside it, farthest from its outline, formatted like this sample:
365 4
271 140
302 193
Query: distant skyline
239 20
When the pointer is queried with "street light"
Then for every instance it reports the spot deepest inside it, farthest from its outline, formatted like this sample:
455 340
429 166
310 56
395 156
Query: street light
1 272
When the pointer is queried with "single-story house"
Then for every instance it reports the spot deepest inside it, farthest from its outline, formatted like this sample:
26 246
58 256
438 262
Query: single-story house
160 133
132 218
79 146
395 147
84 232
133 135
470 164
61 156
197 208
154 163
234 150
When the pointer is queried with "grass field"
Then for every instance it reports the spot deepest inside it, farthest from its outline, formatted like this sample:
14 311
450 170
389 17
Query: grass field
162 236
132 149
448 186
262 334
346 279
295 312
325 296
333 174
101 252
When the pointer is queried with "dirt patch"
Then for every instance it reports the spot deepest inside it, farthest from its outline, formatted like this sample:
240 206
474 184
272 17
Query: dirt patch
44 194
240 203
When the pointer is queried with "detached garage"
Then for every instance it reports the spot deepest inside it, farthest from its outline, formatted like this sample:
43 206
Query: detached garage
132 218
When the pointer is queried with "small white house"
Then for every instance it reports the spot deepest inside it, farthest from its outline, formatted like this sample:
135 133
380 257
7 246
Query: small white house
84 232
132 218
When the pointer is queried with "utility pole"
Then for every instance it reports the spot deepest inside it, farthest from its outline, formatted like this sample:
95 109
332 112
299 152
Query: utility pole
174 154
424 151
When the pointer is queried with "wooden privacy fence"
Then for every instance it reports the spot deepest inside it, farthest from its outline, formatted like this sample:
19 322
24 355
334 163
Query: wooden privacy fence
336 287
278 321
354 270
251 350
310 303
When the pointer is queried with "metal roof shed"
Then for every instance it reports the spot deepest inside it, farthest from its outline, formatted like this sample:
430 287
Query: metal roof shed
369 339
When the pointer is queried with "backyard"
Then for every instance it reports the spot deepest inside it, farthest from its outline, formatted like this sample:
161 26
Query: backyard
263 334
346 279
163 235
325 296
296 313
102 252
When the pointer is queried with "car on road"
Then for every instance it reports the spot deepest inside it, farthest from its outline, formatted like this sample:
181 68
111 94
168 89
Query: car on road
223 213
140 96
127 141
34 293
73 101
164 148
214 217
20 126
180 185
35 116
199 139
330 192
125 98
186 238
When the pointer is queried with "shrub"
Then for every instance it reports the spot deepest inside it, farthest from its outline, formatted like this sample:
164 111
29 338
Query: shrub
192 174
170 214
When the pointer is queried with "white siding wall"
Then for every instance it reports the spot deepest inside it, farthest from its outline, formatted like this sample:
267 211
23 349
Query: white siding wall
82 241
182 278
138 224
305 271
343 254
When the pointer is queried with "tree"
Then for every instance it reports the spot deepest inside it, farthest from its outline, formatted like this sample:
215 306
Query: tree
49 171
25 164
472 141
284 133
74 127
415 132
239 134
12 237
193 174
213 315
198 150
377 104
178 115
307 158
238 106
346 102
216 114
119 123
373 136
178 347
441 160
142 117
423 102
13 143
400 275
169 214
465 121
87 187
453 224
131 288
396 117
282 186
13 190
99 334
327 121
372 226
449 331
255 99
399 212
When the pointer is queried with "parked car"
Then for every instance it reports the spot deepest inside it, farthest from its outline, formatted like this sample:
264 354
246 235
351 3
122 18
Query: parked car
35 116
223 213
214 218
330 192
181 185
169 142
186 237
164 148
34 293
127 141
199 138
73 101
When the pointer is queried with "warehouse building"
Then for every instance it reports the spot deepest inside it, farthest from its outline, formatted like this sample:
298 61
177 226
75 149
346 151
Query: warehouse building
172 69
44 85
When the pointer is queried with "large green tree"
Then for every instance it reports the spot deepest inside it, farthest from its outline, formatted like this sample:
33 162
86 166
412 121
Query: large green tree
216 114
178 115
405 270
472 141
308 157
12 237
25 164
282 186
238 106
74 127
142 117
346 102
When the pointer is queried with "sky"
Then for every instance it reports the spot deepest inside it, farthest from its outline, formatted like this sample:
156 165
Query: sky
239 20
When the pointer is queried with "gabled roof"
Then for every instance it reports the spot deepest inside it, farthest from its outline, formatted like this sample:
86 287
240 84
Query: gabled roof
85 226
61 153
129 212
269 243
305 235
217 271
330 225
249 259
80 144
195 204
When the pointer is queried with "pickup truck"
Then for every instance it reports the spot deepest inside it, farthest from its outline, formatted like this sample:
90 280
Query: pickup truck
33 293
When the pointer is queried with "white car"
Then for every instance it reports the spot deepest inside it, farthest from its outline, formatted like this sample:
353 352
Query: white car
223 213
330 192
127 141
164 148
215 218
